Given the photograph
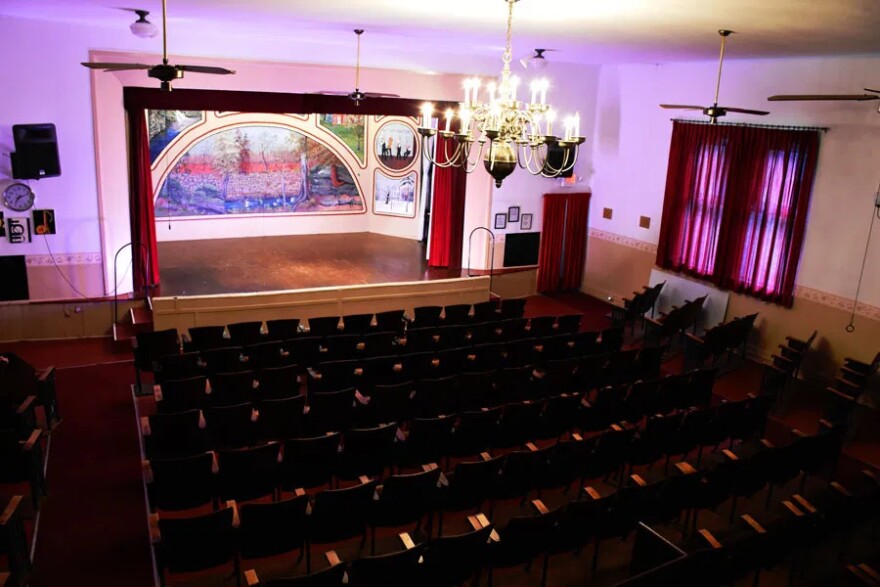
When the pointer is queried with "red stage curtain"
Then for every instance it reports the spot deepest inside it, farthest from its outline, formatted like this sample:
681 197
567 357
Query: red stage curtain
736 205
575 248
552 242
145 260
447 214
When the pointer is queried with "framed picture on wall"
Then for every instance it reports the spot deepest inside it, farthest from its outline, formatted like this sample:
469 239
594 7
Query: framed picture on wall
501 220
526 222
513 214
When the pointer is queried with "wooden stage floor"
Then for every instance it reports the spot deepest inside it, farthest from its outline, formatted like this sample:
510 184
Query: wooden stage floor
243 265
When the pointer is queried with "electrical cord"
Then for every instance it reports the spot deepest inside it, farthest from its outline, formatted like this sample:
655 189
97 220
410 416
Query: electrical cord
64 277
851 327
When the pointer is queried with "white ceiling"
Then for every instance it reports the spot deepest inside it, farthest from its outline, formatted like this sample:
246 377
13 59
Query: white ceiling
585 31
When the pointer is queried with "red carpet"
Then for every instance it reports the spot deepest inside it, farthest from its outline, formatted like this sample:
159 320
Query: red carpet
93 523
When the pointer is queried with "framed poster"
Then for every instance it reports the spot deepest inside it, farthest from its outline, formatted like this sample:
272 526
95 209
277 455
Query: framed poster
396 145
395 196
526 222
501 220
513 214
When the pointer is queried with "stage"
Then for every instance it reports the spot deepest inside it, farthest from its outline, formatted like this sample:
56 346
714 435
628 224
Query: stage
247 265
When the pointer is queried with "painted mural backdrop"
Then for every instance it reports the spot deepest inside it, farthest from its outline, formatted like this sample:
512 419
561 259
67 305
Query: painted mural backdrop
164 125
395 195
257 170
351 128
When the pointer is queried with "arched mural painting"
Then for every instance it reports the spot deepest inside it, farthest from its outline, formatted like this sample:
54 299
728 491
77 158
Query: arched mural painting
253 169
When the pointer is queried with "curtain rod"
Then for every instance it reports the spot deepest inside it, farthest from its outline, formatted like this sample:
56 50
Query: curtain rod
753 125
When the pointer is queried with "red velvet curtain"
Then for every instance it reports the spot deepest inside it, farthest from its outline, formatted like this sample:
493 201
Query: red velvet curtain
736 206
447 214
145 259
563 241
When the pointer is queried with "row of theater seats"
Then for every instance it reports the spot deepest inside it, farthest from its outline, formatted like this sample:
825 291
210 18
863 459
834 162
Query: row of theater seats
336 514
512 400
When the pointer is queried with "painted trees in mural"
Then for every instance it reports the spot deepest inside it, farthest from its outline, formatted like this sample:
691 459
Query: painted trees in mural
257 170
348 127
164 125
395 195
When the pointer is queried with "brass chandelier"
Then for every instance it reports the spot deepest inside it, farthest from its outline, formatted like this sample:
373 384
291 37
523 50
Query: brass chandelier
517 133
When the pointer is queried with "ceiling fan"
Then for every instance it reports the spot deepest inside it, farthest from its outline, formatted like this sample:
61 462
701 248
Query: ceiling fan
874 95
357 95
164 72
714 112
536 61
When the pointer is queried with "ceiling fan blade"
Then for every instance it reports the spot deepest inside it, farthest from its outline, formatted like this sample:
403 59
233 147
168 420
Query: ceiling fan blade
681 107
745 111
116 66
205 69
380 95
826 97
870 90
333 93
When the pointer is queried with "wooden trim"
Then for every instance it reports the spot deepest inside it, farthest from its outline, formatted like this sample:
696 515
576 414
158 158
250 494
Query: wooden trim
9 511
707 536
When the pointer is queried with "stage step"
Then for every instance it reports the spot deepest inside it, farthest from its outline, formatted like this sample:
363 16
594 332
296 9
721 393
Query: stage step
138 319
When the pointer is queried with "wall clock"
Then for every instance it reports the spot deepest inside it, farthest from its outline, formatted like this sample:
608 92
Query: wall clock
18 197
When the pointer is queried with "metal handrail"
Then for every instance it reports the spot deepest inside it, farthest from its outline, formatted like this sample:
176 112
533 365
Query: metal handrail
491 256
146 249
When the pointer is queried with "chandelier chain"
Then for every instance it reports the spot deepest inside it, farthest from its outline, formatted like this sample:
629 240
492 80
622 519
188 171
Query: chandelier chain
508 53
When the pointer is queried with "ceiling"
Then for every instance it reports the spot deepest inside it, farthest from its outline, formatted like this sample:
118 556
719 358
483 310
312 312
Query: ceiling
585 31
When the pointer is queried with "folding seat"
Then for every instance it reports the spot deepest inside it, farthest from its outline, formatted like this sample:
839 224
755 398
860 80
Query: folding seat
150 346
282 329
422 365
178 395
204 338
453 361
385 370
559 346
309 461
421 340
568 461
245 333
678 493
379 344
334 376
21 461
426 316
621 366
178 366
456 314
491 356
518 422
485 333
390 321
454 559
637 500
324 326
304 350
357 323
427 439
611 452
266 355
230 426
581 522
521 471
396 569
525 538
271 529
606 407
477 390
700 386
437 396
641 400
389 403
560 415
232 388
330 412
514 328
474 432
14 545
694 425
280 382
470 485
341 347
586 343
331 576
181 483
282 418
523 351
569 323
177 434
248 473
225 360
674 393
367 451
648 360
453 336
513 307
559 376
486 311
541 326
753 419
650 444
197 543
405 499
725 417
341 514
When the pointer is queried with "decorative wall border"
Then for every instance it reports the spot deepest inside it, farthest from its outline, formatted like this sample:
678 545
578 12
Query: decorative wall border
805 293
64 259
624 240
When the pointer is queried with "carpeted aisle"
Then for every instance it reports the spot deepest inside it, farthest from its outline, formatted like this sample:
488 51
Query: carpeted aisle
92 527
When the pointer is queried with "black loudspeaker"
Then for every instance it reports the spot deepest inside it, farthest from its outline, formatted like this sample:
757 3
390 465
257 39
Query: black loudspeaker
36 151
555 160
13 278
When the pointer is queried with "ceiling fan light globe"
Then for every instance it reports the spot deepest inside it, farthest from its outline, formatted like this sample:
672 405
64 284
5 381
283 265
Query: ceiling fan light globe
538 63
144 29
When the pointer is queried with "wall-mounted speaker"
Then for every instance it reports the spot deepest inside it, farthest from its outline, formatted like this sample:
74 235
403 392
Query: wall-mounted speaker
13 278
36 151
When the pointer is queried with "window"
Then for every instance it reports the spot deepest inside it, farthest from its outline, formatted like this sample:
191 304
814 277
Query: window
736 204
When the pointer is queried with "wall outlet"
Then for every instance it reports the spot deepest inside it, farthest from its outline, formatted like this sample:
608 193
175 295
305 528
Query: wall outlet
645 221
606 213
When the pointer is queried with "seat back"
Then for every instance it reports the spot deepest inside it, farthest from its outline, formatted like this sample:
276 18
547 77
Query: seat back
451 560
245 333
513 307
324 325
282 329
426 316
268 529
280 382
152 345
178 366
456 314
357 323
391 321
339 514
395 569
248 473
331 411
182 483
230 426
183 394
203 338
232 388
176 434
282 418
486 311
309 461
196 543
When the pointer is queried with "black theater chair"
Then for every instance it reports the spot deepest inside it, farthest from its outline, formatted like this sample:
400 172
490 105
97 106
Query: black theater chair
513 307
178 395
486 311
367 451
228 389
271 529
405 499
525 538
178 366
541 326
181 483
225 360
401 568
266 355
282 418
245 474
282 329
569 323
280 382
330 412
310 461
456 558
331 576
357 323
426 316
231 426
177 434
390 321
456 314
340 514
245 333
204 338
149 347
324 326
198 543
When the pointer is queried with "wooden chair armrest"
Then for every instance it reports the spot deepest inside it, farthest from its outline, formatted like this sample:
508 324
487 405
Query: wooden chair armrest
783 359
235 520
869 474
10 509
25 405
475 523
406 540
754 524
485 456
430 467
729 454
854 372
332 558
147 470
251 578
576 437
694 338
616 428
840 394
707 536
531 446
792 508
364 479
157 393
31 441
798 433
482 519
685 468
856 365
766 443
299 492
869 571
44 374
638 480
805 505
592 492
653 322
539 507
840 489
823 423
145 426
847 383
789 348
155 534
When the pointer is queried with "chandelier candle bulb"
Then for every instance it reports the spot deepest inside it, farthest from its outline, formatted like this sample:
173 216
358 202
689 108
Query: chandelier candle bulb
550 116
427 110
491 87
535 86
465 115
448 118
577 124
544 85
514 84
